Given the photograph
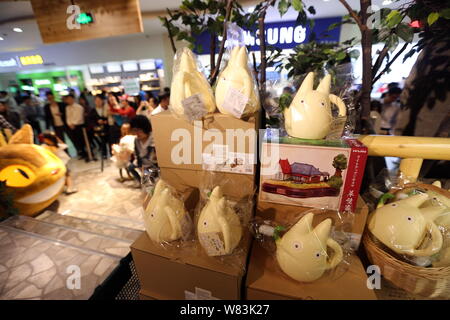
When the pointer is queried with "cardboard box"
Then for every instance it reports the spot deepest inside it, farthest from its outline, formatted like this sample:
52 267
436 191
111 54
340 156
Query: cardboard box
182 145
233 185
265 281
187 272
308 172
353 223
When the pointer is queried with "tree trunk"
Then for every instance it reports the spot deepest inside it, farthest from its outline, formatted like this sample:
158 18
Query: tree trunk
338 173
366 44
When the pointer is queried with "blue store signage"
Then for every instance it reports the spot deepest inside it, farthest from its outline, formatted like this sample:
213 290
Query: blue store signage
284 34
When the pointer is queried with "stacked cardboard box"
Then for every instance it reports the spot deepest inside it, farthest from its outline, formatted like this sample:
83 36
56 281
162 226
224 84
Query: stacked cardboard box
187 153
220 143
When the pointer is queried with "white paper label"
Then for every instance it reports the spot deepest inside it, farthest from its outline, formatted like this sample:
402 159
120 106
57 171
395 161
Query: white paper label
200 294
194 109
212 243
235 102
222 160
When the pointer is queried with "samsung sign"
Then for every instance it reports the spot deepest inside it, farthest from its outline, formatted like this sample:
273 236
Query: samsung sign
283 35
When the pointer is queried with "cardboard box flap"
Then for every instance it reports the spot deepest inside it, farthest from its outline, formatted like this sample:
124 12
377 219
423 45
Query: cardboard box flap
193 254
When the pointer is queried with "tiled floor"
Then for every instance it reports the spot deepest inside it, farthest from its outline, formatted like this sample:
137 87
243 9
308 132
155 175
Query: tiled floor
101 192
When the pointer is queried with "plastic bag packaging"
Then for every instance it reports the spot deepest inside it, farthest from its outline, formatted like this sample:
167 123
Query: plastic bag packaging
221 220
310 114
236 89
316 246
192 97
122 152
412 222
166 220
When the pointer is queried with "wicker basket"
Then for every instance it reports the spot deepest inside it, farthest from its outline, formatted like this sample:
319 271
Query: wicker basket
426 282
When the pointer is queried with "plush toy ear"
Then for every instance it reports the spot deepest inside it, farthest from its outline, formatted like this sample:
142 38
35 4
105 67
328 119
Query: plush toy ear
325 84
322 231
187 62
307 84
216 194
414 201
24 135
437 183
304 225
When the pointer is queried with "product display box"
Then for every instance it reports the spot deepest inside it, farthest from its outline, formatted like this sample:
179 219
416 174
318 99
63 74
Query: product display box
312 173
187 272
219 143
265 281
353 223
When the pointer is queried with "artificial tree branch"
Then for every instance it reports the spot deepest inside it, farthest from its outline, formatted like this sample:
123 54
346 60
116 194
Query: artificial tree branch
262 46
354 15
388 65
255 68
215 72
212 54
380 59
170 35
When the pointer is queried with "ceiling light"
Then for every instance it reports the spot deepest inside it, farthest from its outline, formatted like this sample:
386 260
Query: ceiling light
250 9
17 30
386 2
1 38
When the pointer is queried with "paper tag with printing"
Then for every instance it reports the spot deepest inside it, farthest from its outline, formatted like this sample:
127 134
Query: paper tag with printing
194 109
235 102
212 243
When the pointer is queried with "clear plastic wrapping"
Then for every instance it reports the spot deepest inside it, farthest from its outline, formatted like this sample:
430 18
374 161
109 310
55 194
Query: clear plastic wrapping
316 246
222 219
236 90
166 219
310 114
191 95
412 221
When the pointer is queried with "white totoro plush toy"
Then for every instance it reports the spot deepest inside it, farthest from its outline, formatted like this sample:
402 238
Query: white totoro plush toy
165 217
309 115
302 251
218 219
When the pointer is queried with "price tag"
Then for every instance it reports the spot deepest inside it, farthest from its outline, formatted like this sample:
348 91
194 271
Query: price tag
235 102
194 109
212 243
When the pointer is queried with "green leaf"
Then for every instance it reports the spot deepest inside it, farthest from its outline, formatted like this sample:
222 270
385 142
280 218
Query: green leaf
393 18
405 32
297 5
283 7
311 10
276 232
341 55
445 13
432 18
384 198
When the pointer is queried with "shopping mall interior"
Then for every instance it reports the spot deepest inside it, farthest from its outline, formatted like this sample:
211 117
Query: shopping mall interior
224 150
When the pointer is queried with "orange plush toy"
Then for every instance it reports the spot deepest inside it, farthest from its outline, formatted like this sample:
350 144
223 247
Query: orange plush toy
32 173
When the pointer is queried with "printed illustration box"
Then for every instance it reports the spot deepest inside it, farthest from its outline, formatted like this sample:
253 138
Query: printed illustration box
312 173
265 281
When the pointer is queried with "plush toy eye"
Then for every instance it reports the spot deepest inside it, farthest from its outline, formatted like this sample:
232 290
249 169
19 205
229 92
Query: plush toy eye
410 219
205 223
298 245
323 104
17 176
302 101
152 215
317 255
394 205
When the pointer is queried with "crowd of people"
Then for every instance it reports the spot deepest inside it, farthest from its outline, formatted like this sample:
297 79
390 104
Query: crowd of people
93 124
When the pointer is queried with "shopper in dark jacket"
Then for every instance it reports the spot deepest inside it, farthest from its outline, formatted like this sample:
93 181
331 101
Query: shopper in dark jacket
55 116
